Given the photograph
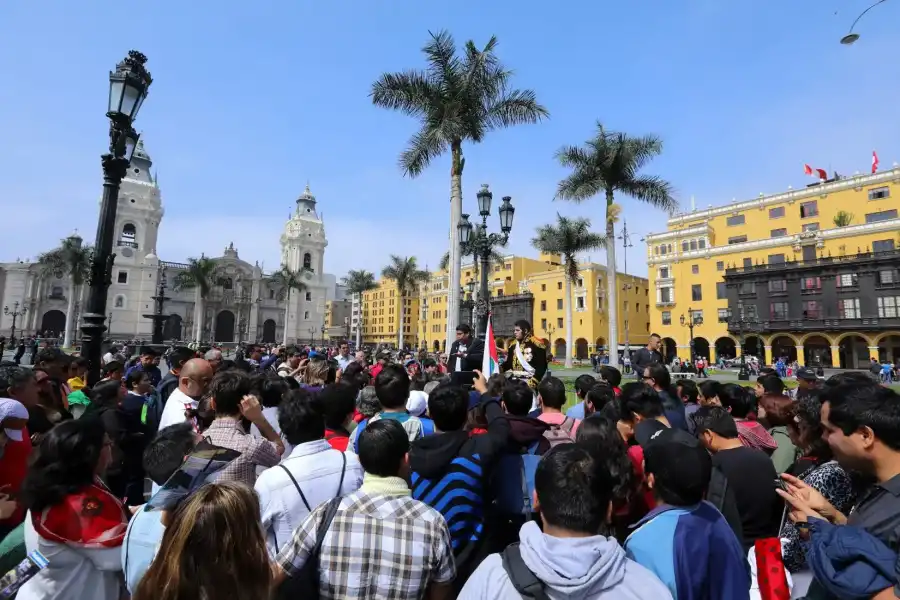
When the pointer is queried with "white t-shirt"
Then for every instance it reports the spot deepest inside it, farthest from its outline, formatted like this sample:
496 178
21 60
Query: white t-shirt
462 350
73 573
173 412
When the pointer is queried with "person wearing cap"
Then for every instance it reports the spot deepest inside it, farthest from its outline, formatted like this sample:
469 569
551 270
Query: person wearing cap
807 382
18 391
147 363
684 540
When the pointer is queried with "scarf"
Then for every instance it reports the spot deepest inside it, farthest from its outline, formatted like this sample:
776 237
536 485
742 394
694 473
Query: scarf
384 486
91 518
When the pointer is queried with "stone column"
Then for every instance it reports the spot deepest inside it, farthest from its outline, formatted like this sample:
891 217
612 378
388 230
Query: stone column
873 352
835 356
253 333
767 353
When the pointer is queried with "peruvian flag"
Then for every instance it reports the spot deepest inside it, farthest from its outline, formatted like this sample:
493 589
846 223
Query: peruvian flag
808 170
874 161
491 362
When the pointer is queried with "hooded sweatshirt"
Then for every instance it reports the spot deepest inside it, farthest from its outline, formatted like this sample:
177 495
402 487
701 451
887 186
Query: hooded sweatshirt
583 568
449 472
525 431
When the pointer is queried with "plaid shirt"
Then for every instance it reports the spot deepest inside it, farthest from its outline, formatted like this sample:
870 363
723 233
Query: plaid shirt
226 432
378 547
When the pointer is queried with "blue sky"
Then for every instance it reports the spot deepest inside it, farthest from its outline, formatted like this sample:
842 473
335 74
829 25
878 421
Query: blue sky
251 100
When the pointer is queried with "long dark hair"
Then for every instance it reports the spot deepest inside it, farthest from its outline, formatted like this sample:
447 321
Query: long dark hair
599 435
65 463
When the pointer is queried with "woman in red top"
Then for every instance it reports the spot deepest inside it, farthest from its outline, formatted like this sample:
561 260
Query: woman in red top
337 402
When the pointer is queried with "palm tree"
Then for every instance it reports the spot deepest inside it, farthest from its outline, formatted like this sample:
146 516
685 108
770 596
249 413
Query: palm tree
358 283
608 163
495 258
456 99
568 238
73 260
201 275
843 218
407 275
285 280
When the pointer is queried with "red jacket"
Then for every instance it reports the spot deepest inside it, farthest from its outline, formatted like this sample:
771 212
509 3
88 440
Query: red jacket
337 438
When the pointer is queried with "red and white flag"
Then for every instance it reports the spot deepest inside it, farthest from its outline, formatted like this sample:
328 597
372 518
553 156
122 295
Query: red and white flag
874 161
820 173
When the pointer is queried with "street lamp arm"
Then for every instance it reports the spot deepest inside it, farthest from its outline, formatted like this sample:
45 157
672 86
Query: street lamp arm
863 14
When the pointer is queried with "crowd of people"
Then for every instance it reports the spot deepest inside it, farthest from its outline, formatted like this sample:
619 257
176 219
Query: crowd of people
294 472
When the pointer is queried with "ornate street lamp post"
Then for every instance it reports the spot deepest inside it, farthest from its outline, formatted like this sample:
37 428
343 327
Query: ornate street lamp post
128 86
322 329
691 322
743 325
158 318
15 313
481 245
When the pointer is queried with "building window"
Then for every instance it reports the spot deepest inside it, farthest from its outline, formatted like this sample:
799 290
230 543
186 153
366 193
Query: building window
812 309
849 308
734 220
543 287
698 316
226 283
777 286
544 324
749 311
887 277
847 280
684 246
119 302
776 259
748 262
665 294
499 293
720 290
778 311
664 272
811 284
559 304
666 317
309 296
543 305
778 232
747 288
720 266
579 302
559 285
701 243
271 294
738 239
580 283
307 261
810 227
879 193
695 269
883 245
306 315
809 209
122 277
696 292
693 244
884 215
776 213
559 323
724 315
887 307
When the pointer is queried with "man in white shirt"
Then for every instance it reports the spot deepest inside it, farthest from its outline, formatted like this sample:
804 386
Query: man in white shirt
193 381
343 358
313 473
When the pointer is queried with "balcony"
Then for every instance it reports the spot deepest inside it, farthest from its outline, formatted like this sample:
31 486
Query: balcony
851 260
810 291
665 303
791 324
52 296
126 244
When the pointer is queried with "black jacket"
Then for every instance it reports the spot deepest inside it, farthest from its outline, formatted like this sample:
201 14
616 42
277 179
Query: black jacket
474 355
644 358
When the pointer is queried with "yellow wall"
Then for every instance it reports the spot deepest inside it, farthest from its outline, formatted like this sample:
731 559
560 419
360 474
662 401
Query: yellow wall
850 194
381 315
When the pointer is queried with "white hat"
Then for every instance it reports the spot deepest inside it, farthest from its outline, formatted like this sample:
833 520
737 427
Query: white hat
417 403
12 409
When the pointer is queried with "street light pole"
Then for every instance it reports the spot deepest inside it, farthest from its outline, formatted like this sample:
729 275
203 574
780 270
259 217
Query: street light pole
690 323
128 86
852 37
15 313
743 325
626 244
481 245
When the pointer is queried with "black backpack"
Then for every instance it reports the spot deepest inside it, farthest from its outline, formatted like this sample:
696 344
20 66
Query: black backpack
525 582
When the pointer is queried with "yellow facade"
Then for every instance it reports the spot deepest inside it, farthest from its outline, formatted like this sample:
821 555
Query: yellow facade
686 264
381 315
337 319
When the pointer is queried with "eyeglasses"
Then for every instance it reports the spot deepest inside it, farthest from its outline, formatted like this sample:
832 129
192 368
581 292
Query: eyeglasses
646 378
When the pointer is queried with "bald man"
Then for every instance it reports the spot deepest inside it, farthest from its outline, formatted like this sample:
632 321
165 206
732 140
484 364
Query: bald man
193 381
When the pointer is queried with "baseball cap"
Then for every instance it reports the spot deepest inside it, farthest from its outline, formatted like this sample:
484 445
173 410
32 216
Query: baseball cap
677 461
806 374
417 404
14 414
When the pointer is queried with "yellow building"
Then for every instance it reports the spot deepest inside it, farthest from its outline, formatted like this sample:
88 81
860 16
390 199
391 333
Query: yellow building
337 319
381 315
776 251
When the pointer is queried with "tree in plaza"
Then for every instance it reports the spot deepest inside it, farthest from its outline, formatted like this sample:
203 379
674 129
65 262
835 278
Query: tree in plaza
406 274
456 99
842 218
610 163
201 275
358 283
73 260
285 280
568 238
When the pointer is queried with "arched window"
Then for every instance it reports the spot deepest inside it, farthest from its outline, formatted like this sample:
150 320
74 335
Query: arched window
702 243
684 246
129 233
119 302
56 291
693 244
307 261
226 283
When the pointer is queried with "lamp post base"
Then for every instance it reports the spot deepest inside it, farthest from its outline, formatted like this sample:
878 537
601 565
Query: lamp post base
744 374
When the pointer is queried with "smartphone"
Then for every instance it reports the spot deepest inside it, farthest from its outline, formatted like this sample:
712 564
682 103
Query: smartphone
463 378
25 570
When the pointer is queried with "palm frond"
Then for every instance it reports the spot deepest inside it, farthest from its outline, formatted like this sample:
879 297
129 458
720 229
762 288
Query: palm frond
651 190
409 92
424 146
843 218
404 270
359 282
444 263
71 259
515 108
568 237
201 273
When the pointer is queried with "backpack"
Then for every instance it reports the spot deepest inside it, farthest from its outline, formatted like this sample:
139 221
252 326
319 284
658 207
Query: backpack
561 434
520 576
513 481
153 410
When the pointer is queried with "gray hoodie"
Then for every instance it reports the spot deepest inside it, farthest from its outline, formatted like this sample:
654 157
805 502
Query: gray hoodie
583 568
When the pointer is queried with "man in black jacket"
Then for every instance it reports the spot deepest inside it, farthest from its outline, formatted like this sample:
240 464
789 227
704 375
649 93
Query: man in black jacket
646 357
467 351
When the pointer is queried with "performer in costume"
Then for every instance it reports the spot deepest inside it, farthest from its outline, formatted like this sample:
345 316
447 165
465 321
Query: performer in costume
526 359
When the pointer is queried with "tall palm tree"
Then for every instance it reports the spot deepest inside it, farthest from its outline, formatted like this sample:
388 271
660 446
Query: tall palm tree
568 238
456 99
73 260
495 258
406 274
358 283
201 275
607 164
286 280
843 218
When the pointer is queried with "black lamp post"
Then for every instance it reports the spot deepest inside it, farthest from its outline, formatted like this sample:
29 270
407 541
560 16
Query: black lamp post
15 313
159 299
128 86
322 329
691 322
481 244
312 336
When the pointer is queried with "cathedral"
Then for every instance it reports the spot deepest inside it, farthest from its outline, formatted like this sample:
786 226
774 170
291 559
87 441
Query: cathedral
243 305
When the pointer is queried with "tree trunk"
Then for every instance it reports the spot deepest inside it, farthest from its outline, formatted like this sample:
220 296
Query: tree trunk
70 317
198 316
455 254
400 328
569 346
359 323
612 288
287 313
